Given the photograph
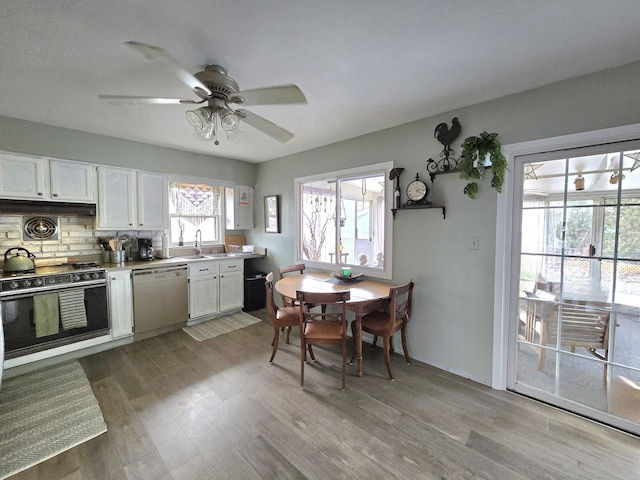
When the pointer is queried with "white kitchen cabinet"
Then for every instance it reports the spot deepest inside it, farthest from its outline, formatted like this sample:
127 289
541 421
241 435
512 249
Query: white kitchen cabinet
38 178
116 198
215 287
231 284
22 176
120 303
204 284
152 200
72 181
239 206
132 199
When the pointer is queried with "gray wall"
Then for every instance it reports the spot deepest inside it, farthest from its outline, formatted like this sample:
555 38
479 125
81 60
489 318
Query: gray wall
453 311
39 139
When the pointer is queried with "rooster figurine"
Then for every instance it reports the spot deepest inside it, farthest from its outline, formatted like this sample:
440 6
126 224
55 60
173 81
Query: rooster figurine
446 135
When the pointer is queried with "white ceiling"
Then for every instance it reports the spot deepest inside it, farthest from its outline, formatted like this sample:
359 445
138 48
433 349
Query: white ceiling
364 65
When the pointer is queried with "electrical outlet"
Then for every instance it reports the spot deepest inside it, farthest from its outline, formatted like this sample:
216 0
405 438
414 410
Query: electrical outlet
473 243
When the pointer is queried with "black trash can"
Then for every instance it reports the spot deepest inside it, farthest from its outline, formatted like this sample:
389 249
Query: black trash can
255 294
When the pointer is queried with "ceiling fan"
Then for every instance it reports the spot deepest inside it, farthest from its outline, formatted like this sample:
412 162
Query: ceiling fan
218 91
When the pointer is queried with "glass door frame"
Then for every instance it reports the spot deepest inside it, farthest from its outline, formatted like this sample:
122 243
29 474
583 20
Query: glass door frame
508 242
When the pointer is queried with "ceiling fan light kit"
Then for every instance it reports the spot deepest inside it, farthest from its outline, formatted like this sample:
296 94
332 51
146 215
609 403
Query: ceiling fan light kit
218 90
229 121
198 118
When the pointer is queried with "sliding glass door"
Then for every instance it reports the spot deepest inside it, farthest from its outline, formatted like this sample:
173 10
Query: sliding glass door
576 335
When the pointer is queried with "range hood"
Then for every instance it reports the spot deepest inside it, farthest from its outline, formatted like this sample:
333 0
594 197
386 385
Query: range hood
52 208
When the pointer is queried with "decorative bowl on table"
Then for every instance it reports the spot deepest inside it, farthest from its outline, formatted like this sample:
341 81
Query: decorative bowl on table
351 276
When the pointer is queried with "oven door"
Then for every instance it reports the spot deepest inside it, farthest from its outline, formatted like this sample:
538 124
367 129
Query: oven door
21 337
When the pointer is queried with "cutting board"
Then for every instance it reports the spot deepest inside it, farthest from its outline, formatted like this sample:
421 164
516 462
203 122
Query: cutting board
48 262
233 240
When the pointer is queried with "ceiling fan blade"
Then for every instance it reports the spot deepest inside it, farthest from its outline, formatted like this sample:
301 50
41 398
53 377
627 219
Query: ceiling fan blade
270 96
158 54
265 126
133 100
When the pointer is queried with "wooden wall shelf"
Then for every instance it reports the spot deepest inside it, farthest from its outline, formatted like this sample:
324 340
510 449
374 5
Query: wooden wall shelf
416 207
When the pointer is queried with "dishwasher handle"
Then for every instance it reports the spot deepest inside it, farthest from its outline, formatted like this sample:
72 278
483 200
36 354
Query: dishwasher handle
159 273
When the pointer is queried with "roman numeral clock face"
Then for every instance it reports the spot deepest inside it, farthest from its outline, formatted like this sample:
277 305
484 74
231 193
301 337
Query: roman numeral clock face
417 190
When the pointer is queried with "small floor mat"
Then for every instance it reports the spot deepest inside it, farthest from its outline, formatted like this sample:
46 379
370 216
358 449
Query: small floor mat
219 326
44 413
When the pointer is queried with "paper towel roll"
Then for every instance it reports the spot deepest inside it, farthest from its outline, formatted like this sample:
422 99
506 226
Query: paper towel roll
165 246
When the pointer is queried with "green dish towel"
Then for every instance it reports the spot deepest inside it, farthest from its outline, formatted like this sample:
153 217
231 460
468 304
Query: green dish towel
73 312
46 315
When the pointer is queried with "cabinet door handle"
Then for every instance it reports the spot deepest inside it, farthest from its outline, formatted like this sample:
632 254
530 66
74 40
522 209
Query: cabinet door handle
55 194
40 194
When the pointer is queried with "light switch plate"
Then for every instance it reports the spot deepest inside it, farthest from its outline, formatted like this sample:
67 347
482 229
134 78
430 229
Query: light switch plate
474 243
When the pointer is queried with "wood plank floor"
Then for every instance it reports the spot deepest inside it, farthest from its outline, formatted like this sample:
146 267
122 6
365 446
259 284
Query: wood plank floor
180 409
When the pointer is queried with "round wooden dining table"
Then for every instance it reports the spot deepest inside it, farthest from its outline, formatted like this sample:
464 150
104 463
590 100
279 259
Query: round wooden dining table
366 296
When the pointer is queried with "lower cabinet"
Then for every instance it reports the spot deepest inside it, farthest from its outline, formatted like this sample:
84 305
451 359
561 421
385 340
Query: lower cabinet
203 290
215 287
120 303
231 285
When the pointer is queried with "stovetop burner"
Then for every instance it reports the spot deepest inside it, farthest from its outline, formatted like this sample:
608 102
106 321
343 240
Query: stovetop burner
17 274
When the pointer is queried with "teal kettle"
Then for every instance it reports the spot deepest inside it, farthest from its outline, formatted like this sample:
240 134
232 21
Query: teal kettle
18 263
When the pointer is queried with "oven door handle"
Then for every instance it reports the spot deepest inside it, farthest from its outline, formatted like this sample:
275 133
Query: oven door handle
29 292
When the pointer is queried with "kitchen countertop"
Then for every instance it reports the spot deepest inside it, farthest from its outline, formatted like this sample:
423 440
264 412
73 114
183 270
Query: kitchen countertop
168 262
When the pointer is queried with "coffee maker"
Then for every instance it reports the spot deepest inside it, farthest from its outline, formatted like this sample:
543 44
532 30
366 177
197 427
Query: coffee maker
145 248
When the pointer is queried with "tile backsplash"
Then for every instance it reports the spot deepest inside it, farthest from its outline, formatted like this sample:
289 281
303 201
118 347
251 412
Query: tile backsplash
77 237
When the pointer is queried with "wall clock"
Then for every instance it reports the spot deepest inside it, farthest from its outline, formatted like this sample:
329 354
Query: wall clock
417 192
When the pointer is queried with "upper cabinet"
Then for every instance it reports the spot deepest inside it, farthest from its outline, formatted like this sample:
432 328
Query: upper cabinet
72 181
116 198
132 199
153 200
239 207
38 178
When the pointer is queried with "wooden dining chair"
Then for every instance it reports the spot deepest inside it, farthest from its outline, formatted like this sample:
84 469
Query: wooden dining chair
298 267
322 328
384 323
281 317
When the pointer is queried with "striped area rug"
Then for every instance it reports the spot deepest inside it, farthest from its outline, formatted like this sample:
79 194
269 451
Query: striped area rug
219 326
44 413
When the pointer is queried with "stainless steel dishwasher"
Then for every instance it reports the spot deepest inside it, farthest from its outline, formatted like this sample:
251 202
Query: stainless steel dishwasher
160 298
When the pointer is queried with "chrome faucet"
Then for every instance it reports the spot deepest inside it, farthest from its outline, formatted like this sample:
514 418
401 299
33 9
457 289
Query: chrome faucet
198 244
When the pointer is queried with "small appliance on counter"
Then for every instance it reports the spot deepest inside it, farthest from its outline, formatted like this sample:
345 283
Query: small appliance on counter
145 249
19 263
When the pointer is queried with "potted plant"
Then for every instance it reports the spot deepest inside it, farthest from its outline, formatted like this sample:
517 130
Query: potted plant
476 153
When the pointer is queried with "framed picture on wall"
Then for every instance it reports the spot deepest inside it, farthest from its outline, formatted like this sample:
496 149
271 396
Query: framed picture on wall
272 213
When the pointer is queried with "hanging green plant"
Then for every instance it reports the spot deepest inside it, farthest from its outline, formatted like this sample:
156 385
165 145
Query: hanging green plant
472 161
